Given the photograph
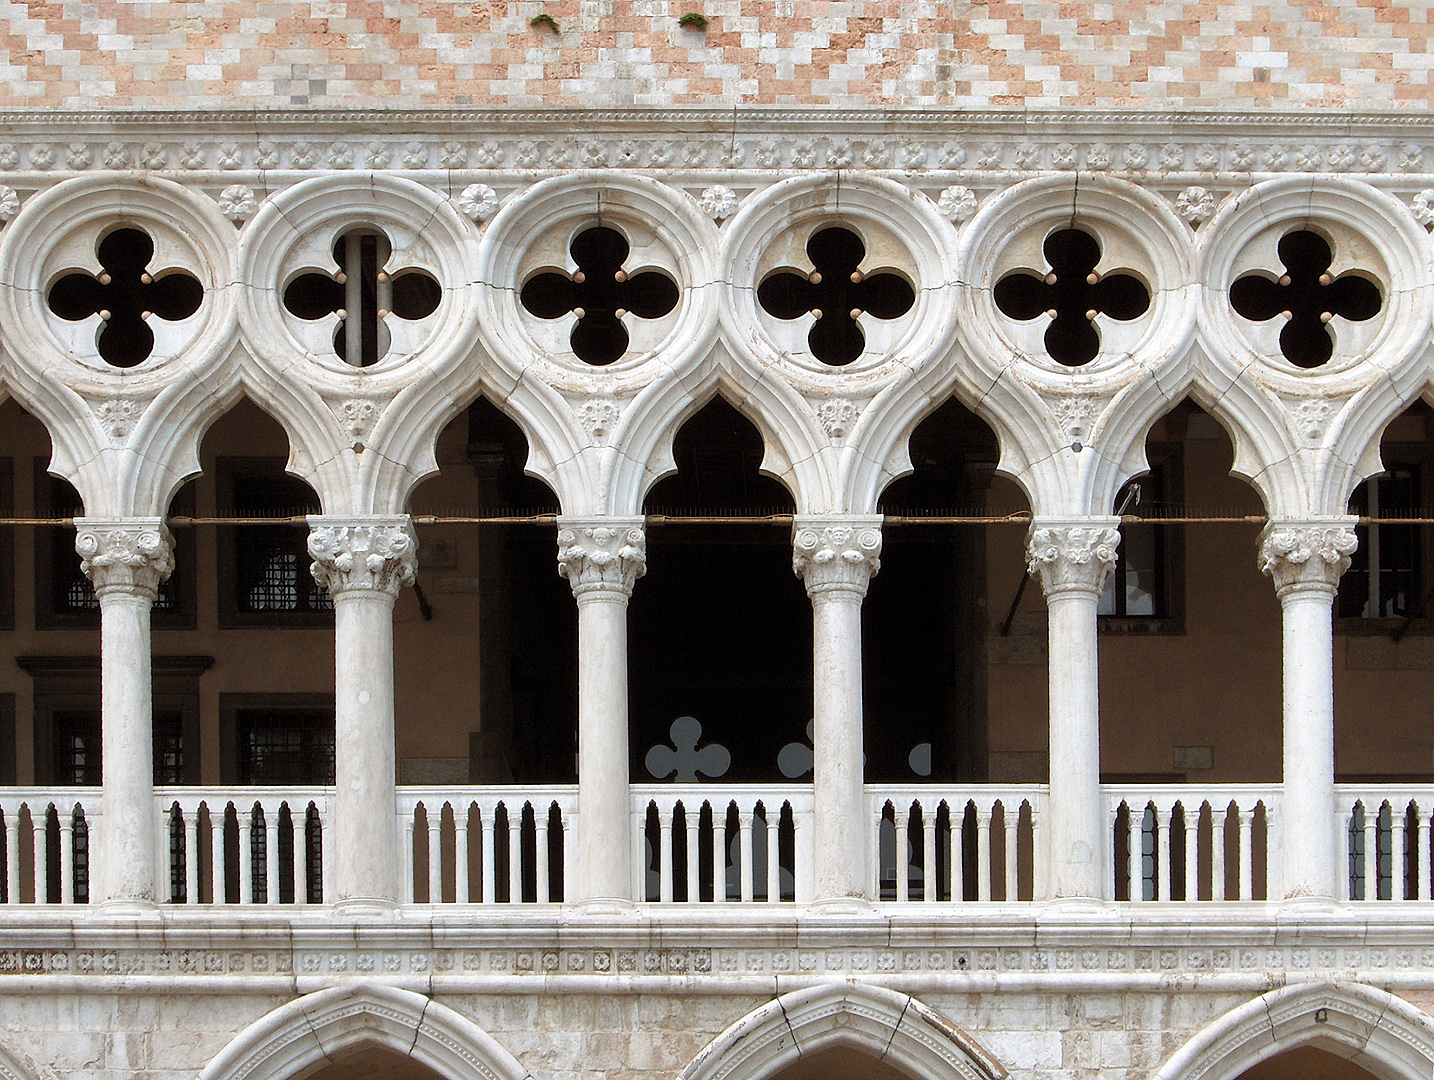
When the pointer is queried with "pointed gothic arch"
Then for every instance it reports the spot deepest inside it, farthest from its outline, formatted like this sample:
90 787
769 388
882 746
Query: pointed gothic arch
1381 1033
322 1025
887 1026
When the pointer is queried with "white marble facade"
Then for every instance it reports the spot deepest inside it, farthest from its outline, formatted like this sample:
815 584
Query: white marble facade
1071 984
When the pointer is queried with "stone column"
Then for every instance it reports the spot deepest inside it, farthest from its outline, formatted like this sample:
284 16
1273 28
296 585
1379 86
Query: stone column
1306 559
602 558
836 559
126 559
1074 557
363 562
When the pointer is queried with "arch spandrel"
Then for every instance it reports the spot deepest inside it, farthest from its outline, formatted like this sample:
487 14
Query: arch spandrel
318 1027
1381 1033
882 1024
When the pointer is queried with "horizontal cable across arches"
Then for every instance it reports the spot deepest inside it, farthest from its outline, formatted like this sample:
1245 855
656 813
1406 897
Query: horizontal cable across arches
1022 517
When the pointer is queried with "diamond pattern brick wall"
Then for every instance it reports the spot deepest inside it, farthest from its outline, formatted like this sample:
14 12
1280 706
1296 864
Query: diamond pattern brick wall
1365 54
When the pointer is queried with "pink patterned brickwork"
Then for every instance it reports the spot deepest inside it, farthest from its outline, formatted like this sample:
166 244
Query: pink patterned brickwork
1366 54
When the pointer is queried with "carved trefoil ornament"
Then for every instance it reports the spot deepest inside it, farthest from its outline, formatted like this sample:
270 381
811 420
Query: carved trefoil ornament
1307 554
369 554
602 555
837 417
1073 557
840 556
125 555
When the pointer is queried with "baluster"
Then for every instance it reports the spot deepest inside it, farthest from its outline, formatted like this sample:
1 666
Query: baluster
930 887
191 853
638 831
67 855
903 854
486 821
983 853
744 832
540 856
958 853
12 854
567 820
1135 845
461 854
1011 818
691 818
1398 857
216 857
804 857
719 857
1247 854
435 855
875 880
1192 851
410 855
515 855
271 855
1164 828
38 828
1371 853
1218 820
246 856
665 815
773 822
1422 820
299 845
326 864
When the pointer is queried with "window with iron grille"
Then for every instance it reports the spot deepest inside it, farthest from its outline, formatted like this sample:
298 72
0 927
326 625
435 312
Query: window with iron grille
1385 579
1144 592
264 569
285 746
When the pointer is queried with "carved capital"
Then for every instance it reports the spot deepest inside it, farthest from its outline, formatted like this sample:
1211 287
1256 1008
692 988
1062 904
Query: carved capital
1073 555
366 554
602 555
836 554
125 555
1307 556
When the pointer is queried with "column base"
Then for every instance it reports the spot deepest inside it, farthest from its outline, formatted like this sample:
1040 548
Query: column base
600 906
842 907
147 910
363 907
1066 906
1303 904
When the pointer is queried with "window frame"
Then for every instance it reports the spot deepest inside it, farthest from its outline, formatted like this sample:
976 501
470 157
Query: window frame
1167 466
231 706
1419 456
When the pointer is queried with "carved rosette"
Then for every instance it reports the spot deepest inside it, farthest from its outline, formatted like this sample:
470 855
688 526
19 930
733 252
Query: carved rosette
602 555
363 554
1307 556
836 556
125 555
1073 556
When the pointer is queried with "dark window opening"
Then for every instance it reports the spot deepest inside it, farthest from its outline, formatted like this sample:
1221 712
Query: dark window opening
1141 585
285 746
836 293
77 747
601 294
1071 294
1307 296
362 293
1385 579
125 296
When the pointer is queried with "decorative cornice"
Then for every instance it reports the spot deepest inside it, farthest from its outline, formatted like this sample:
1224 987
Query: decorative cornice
1307 556
838 555
1073 556
363 554
125 555
602 558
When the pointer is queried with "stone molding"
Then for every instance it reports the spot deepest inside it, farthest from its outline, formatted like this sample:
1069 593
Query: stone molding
1307 556
602 558
838 555
125 555
1073 556
363 554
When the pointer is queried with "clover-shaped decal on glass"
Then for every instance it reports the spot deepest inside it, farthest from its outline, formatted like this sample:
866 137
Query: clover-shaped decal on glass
682 760
363 293
601 294
126 295
1308 296
1071 294
836 293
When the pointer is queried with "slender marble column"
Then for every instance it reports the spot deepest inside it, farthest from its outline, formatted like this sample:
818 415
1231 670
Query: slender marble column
363 562
836 558
602 558
1074 557
1305 559
126 559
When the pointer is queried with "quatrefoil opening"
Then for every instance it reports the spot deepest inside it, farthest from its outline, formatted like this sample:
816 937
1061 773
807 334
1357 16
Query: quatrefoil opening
363 294
1308 296
601 294
126 295
837 294
1072 294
